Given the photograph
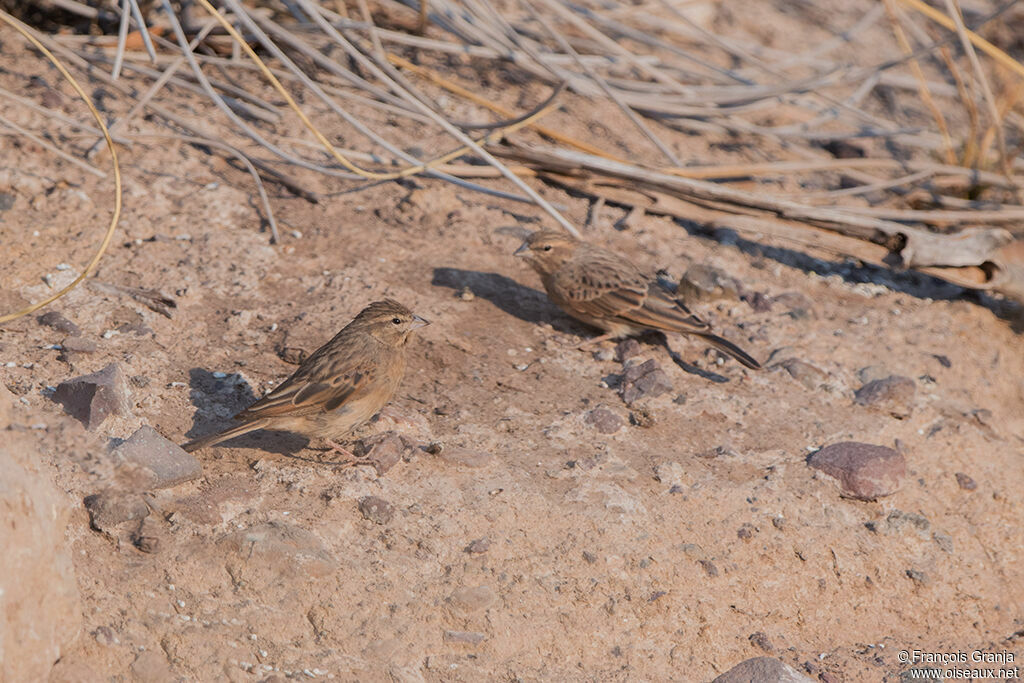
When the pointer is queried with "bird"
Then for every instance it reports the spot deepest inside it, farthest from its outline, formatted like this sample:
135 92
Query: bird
340 386
605 290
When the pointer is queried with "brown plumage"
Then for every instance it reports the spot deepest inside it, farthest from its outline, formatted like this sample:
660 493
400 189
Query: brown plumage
603 289
341 385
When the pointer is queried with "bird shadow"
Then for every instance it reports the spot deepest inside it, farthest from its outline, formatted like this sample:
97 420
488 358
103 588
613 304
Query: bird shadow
511 297
217 396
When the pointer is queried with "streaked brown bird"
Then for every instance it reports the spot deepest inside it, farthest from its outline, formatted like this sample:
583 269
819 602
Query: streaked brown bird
603 289
340 386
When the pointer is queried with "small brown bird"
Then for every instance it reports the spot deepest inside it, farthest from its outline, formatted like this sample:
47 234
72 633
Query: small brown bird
603 289
340 386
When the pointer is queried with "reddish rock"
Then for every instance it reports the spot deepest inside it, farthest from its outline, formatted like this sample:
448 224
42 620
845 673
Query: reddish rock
965 482
383 451
604 420
893 394
864 471
92 398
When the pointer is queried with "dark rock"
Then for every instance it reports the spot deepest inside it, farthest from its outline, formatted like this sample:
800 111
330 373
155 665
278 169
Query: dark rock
589 557
760 640
78 345
642 380
864 471
893 395
146 544
758 301
480 545
762 670
375 509
626 349
57 321
746 531
965 482
109 509
805 373
383 451
709 567
917 576
943 360
706 283
7 201
161 463
465 637
92 398
603 420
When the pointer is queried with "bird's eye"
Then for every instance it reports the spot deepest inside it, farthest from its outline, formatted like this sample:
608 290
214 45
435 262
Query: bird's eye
547 247
396 321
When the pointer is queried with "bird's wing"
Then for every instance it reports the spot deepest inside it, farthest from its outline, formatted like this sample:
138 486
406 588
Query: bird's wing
603 285
327 380
599 284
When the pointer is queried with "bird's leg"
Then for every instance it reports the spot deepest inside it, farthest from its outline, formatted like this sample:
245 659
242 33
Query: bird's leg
585 346
341 450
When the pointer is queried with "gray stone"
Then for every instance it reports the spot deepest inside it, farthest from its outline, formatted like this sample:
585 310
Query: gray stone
109 509
78 345
870 373
643 380
603 420
92 398
702 282
161 463
803 372
762 670
797 304
480 545
375 509
864 471
57 321
893 395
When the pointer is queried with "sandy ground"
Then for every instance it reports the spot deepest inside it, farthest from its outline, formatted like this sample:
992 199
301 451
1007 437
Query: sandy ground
520 542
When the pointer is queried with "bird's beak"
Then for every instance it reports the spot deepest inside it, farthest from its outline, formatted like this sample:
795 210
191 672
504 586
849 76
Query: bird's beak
523 249
418 322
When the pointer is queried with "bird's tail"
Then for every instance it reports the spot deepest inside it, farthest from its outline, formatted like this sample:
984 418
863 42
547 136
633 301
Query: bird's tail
728 347
217 437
